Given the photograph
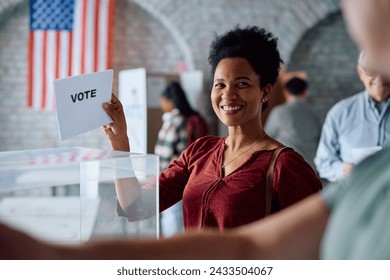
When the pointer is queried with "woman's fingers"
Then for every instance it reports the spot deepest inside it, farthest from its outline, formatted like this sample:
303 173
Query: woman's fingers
114 99
110 110
108 131
116 131
114 108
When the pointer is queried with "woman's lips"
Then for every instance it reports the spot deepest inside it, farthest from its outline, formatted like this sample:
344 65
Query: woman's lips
231 109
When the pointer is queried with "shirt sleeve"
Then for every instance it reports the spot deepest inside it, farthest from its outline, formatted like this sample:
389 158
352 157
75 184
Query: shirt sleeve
271 126
294 179
181 142
328 162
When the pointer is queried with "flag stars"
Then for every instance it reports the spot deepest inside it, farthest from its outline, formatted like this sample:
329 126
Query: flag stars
52 14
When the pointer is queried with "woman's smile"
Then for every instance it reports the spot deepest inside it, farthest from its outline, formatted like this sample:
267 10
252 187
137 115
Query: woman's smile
231 109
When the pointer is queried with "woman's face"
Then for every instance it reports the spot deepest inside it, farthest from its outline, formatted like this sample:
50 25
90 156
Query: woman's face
167 105
236 95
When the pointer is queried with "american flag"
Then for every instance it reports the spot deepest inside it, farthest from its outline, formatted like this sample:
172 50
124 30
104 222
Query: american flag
67 38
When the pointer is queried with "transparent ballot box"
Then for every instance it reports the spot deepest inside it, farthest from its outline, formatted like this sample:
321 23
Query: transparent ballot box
72 195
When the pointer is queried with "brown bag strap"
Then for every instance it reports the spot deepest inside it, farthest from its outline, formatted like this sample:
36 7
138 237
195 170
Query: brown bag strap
270 180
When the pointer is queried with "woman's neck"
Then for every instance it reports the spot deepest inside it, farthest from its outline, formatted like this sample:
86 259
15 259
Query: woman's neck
238 140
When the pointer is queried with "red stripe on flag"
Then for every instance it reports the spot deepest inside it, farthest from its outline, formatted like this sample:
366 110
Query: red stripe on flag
110 26
58 51
96 37
70 49
83 35
44 70
30 69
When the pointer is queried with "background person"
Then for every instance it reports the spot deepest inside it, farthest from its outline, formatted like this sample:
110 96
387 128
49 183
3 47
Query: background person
294 123
354 125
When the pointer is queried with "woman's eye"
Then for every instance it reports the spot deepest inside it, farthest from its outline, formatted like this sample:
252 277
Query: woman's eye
242 84
219 85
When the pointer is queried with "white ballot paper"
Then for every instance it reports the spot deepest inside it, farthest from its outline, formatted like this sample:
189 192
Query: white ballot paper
79 102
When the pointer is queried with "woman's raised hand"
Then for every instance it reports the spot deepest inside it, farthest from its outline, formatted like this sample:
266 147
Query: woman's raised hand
116 131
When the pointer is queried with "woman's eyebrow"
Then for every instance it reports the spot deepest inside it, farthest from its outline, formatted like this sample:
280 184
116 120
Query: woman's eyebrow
237 78
243 77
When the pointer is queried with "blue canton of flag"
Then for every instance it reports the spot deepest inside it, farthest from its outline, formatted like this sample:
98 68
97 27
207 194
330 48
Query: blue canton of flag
67 38
51 14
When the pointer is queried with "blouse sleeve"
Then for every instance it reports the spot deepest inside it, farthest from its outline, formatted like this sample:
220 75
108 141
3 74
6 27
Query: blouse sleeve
294 179
173 180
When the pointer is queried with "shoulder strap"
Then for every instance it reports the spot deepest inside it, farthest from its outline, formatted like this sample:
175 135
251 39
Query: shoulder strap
270 180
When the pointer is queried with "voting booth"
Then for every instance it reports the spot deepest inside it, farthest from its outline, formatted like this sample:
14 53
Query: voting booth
140 93
70 195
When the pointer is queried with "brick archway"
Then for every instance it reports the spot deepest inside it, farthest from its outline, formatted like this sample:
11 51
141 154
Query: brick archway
329 57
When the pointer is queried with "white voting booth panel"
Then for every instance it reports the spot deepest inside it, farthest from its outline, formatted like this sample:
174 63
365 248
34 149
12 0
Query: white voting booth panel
140 93
132 93
69 195
192 84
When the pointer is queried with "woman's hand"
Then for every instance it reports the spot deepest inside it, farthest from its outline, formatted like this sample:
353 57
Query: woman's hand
116 131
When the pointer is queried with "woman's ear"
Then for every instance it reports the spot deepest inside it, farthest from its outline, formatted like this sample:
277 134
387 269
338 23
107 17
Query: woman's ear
266 93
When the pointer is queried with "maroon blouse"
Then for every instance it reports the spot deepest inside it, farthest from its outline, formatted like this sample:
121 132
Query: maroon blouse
210 200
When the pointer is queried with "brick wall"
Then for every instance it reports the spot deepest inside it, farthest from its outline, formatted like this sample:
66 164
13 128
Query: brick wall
153 34
329 57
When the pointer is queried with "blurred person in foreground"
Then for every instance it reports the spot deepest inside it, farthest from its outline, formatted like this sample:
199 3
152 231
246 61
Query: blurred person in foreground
346 221
294 123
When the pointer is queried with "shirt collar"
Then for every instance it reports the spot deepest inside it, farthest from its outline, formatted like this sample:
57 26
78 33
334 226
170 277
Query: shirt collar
371 101
167 116
372 104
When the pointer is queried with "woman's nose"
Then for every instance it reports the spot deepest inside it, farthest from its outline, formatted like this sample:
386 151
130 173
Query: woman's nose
229 93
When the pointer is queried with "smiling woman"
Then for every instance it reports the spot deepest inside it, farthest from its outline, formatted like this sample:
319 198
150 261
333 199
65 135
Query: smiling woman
222 181
236 96
328 225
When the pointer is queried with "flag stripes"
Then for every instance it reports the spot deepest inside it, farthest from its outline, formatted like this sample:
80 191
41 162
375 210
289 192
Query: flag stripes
60 46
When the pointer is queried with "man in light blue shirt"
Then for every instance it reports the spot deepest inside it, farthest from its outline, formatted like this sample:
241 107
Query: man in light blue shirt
354 126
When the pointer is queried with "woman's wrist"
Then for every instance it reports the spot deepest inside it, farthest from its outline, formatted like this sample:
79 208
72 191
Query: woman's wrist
121 145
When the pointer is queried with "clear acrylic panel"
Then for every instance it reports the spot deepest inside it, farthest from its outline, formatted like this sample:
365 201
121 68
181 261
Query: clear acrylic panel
73 195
